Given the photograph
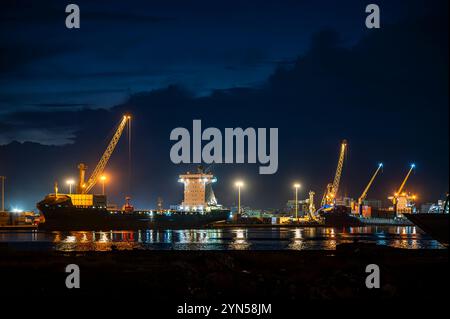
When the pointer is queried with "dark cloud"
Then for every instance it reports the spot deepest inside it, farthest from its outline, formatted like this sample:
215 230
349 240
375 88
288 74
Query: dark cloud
50 12
61 105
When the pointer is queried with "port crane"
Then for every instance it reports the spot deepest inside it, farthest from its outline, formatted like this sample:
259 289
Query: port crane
85 187
400 189
312 207
364 193
332 189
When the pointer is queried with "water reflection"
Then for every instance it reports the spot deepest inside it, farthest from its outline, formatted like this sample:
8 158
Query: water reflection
240 240
302 238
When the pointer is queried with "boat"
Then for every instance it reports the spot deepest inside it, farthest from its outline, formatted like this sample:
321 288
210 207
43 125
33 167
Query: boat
338 216
434 224
68 212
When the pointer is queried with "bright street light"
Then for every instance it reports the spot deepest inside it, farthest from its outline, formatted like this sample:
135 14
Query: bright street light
239 184
70 182
103 180
296 186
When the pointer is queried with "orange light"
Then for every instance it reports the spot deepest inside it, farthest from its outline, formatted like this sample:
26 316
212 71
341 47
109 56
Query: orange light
103 178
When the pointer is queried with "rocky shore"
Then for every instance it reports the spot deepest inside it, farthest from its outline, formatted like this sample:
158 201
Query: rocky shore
215 276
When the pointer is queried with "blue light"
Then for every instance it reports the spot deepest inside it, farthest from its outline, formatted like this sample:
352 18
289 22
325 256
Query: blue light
413 165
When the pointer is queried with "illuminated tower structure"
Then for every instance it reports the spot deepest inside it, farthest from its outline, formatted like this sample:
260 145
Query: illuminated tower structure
198 194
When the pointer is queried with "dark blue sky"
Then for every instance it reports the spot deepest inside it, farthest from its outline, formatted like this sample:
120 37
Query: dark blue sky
310 68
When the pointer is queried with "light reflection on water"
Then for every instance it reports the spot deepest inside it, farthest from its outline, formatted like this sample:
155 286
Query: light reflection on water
302 238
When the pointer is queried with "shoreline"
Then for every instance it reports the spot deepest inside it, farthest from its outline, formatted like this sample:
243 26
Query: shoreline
218 275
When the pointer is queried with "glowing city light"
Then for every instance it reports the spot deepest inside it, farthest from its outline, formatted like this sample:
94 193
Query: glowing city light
239 184
70 182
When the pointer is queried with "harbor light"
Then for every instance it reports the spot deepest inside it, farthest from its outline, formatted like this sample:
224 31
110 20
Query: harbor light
296 186
70 182
103 180
239 184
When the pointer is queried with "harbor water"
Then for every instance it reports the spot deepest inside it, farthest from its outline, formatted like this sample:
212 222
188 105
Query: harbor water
301 238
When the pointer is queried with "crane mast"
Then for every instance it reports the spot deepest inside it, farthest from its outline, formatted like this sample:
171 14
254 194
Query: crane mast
400 189
84 188
332 189
406 179
364 194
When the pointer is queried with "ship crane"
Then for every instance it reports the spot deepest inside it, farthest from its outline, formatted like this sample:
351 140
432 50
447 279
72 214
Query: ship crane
85 187
364 194
400 189
332 189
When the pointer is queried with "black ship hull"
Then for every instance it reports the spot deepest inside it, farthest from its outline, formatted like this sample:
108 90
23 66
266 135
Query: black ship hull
63 216
339 216
435 225
102 220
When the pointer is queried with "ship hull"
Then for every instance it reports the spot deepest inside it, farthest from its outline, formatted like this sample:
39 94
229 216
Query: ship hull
435 225
339 216
57 218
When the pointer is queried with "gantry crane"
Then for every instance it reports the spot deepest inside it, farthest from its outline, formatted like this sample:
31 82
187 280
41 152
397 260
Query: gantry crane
85 187
364 194
332 189
400 189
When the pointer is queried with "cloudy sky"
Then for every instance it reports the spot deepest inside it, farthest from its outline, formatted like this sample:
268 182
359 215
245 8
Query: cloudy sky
310 68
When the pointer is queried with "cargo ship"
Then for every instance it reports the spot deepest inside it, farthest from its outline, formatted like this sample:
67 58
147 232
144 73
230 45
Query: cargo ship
90 212
85 211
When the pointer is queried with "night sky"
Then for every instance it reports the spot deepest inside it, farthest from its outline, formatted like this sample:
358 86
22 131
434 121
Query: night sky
310 68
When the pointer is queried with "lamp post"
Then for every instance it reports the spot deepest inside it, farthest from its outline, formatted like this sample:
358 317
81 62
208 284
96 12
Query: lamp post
103 180
70 182
239 184
3 192
296 186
